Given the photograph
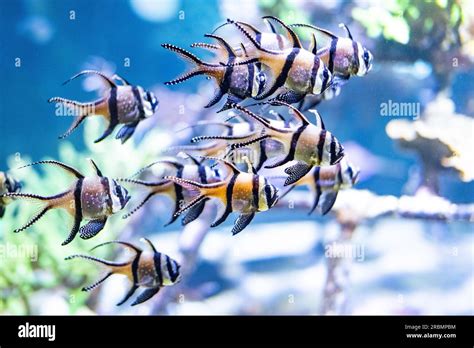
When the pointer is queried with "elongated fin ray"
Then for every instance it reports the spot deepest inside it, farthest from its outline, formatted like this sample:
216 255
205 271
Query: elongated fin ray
67 168
93 72
295 41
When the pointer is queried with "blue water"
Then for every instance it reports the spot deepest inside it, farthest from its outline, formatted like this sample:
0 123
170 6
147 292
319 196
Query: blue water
111 30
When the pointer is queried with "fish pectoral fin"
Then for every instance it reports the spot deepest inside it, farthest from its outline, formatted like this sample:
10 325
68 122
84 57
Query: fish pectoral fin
194 212
296 172
242 221
126 131
145 295
92 228
328 198
223 211
128 295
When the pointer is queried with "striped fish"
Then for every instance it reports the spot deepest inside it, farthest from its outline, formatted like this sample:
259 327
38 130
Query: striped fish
195 171
92 198
148 269
343 56
122 104
325 183
235 144
238 82
298 71
7 185
243 192
310 145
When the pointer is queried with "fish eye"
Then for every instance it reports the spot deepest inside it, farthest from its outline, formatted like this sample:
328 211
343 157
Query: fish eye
366 57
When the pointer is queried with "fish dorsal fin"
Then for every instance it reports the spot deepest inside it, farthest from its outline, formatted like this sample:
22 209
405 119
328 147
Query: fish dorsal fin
69 169
346 28
294 40
121 79
247 25
146 240
251 27
228 164
126 244
229 50
313 48
270 25
319 119
111 83
296 112
250 37
193 159
97 170
258 118
321 30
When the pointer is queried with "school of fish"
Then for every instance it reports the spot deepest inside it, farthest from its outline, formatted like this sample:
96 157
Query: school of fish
225 171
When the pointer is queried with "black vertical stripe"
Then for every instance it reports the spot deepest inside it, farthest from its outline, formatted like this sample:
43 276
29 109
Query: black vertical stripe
230 194
136 93
268 193
314 71
113 106
294 142
322 139
78 200
135 264
255 189
202 174
170 269
227 79
332 54
179 189
157 262
356 56
333 150
283 76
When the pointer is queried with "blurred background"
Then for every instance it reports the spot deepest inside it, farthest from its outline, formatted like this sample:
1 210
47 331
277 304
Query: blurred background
405 231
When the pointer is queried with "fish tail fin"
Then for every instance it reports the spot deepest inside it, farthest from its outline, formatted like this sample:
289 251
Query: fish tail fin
154 189
201 67
48 203
112 268
81 111
203 191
